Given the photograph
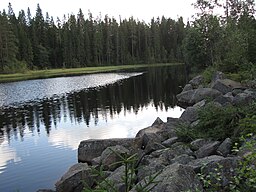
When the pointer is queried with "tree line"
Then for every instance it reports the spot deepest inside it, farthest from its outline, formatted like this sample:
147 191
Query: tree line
39 42
226 40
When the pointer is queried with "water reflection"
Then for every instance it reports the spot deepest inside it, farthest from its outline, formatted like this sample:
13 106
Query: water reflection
158 86
39 134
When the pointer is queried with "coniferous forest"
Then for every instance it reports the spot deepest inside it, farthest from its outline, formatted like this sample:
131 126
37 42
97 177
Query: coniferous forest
226 40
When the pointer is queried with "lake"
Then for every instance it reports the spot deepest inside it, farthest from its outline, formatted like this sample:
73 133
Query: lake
43 121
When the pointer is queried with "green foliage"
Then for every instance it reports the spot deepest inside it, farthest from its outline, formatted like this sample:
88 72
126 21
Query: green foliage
213 181
208 74
103 184
245 179
220 122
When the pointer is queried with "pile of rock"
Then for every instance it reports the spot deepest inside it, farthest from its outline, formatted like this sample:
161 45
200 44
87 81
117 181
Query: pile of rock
160 151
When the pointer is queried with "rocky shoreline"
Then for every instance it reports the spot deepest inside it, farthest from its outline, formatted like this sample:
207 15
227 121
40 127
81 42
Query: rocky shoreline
160 152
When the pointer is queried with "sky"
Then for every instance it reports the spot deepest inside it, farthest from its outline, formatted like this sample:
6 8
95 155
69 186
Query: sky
144 10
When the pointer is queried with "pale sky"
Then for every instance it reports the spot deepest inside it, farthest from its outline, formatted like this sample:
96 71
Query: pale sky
139 9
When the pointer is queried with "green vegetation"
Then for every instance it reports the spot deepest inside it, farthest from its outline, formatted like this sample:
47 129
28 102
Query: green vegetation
244 178
128 178
38 42
73 71
221 122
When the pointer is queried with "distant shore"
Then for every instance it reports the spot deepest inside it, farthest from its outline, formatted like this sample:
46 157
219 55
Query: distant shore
49 73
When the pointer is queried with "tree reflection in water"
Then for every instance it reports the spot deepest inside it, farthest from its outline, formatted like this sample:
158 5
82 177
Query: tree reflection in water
157 85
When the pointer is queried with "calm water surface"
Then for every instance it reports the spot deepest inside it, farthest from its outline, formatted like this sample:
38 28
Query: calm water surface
43 121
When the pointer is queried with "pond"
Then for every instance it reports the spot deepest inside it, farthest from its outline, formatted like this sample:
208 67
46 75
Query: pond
43 121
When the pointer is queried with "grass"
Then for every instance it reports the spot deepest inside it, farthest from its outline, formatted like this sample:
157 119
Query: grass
40 74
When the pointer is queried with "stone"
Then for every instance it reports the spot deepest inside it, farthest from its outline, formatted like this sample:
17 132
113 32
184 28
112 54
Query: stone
92 148
226 85
111 155
187 87
190 114
116 179
196 81
224 100
197 164
150 165
200 104
176 150
174 178
169 142
182 159
218 75
72 180
207 150
189 98
242 99
225 147
158 121
224 167
198 143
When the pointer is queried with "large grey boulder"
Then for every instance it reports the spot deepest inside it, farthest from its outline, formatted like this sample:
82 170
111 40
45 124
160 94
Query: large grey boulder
169 142
116 179
189 98
242 99
197 164
158 122
190 114
225 147
226 85
112 155
198 143
187 87
196 81
208 149
174 178
225 100
72 180
92 148
225 168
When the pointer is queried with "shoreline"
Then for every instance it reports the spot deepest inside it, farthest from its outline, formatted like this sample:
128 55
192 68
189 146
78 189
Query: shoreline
52 73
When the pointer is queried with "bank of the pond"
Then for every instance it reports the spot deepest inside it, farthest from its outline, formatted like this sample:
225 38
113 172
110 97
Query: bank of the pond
41 74
163 157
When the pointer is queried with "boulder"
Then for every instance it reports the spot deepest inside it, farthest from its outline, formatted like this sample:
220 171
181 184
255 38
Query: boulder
158 121
169 142
174 178
152 142
242 99
198 143
171 125
182 159
226 85
225 168
150 165
72 180
218 75
225 147
187 87
207 150
196 81
111 156
92 148
116 179
190 114
189 98
224 100
197 164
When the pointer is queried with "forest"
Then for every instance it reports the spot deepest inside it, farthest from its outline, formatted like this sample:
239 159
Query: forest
226 40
